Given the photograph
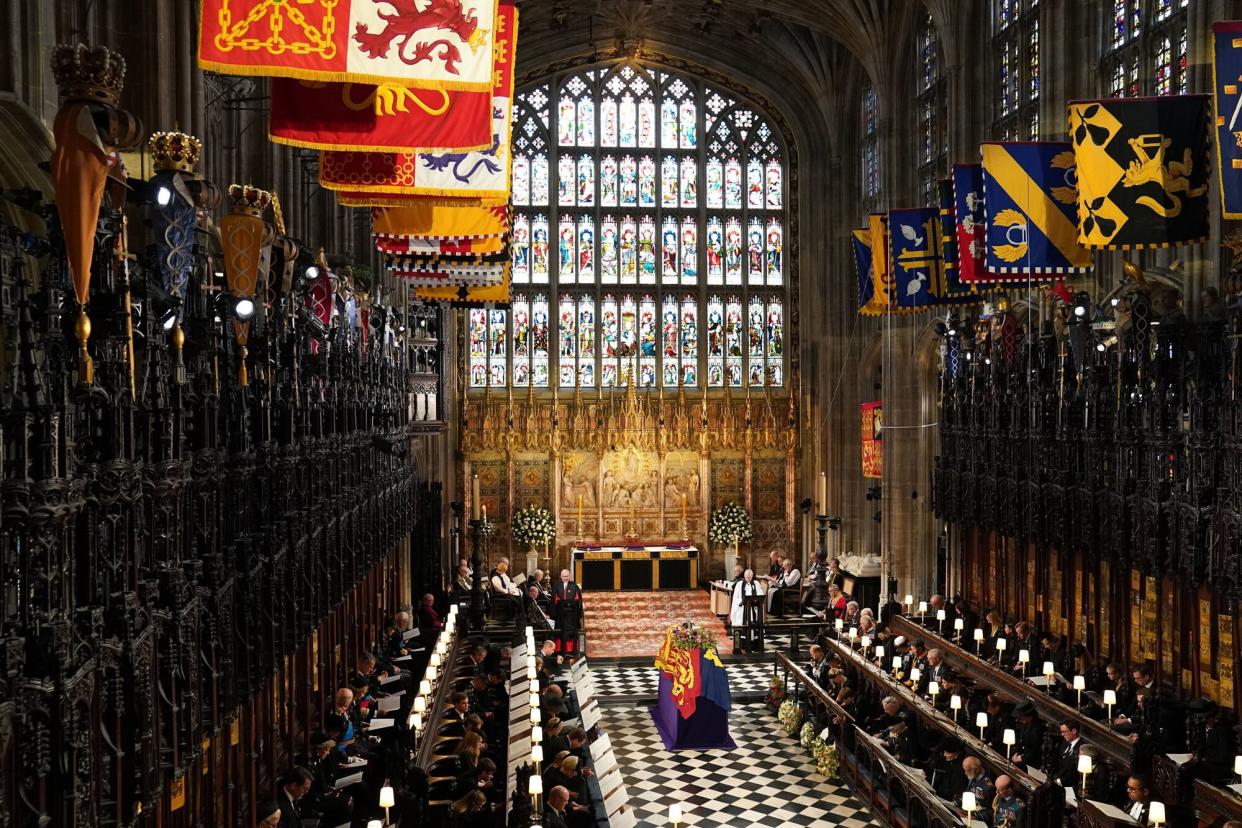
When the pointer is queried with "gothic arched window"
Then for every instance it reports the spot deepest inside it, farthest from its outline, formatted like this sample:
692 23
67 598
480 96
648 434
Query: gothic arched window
1145 48
1015 46
649 238
870 150
932 108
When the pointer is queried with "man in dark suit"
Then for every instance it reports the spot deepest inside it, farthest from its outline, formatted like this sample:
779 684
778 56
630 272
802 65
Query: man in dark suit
819 666
295 785
554 807
1063 766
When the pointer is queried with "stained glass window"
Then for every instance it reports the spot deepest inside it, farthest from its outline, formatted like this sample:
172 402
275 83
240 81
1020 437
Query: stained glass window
1145 53
640 196
1015 43
870 150
932 103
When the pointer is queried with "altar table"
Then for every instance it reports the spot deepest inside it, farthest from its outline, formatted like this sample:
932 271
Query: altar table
639 567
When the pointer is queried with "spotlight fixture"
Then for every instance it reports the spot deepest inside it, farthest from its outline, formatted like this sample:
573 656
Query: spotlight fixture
1081 306
163 196
952 331
1101 347
1115 301
244 308
312 272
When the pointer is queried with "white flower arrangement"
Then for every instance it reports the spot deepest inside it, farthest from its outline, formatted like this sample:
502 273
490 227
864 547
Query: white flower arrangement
729 524
534 524
790 717
807 736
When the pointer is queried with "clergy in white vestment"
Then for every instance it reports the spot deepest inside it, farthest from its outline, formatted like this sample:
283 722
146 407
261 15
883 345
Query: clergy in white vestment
746 586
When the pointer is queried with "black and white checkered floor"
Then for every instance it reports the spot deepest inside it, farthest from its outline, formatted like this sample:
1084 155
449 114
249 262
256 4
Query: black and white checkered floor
768 780
632 683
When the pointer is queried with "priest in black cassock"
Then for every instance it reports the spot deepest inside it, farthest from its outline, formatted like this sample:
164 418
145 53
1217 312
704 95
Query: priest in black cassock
567 613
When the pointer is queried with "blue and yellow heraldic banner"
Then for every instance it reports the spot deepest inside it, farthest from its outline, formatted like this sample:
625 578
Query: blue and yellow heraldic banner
871 244
860 240
917 262
1227 83
1142 170
1031 203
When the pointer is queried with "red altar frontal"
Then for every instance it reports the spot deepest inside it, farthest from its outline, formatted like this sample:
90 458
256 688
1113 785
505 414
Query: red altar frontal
635 566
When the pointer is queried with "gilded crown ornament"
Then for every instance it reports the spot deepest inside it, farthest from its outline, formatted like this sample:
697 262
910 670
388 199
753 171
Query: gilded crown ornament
174 151
244 198
90 73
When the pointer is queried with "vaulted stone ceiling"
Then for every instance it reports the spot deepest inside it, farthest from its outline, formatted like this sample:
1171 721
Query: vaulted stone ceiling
801 54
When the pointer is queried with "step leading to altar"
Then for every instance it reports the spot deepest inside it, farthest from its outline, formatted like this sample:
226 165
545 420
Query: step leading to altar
635 566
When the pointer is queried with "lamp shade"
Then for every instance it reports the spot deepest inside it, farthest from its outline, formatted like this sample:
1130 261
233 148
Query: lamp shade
1009 737
424 688
838 624
955 702
909 600
959 624
375 823
978 633
915 674
674 813
534 716
535 786
435 660
416 722
1085 763
1110 698
1080 683
536 734
981 719
420 704
432 672
1024 656
933 687
530 631
530 661
968 801
922 607
534 699
866 641
1155 813
879 651
853 633
387 798
897 662
1050 669
531 674
536 753
1001 644
940 615
1237 765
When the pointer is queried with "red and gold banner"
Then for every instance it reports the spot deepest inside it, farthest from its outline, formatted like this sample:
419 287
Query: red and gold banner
404 246
480 174
438 220
378 119
351 198
872 439
427 44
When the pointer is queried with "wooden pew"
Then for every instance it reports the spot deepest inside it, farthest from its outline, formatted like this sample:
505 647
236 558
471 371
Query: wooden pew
894 791
1044 804
1118 749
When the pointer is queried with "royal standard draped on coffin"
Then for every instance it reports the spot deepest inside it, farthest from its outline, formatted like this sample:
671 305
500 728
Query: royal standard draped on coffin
1142 170
1030 198
428 44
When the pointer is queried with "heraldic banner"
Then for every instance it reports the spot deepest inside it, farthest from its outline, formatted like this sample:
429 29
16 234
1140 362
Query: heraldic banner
970 222
435 44
1227 83
917 262
481 174
872 439
877 299
1142 170
1031 202
869 300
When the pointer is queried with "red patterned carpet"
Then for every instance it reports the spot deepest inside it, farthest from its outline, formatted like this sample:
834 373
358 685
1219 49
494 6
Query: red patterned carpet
622 624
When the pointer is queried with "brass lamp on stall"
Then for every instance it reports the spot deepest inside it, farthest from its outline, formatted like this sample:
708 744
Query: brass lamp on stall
245 237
